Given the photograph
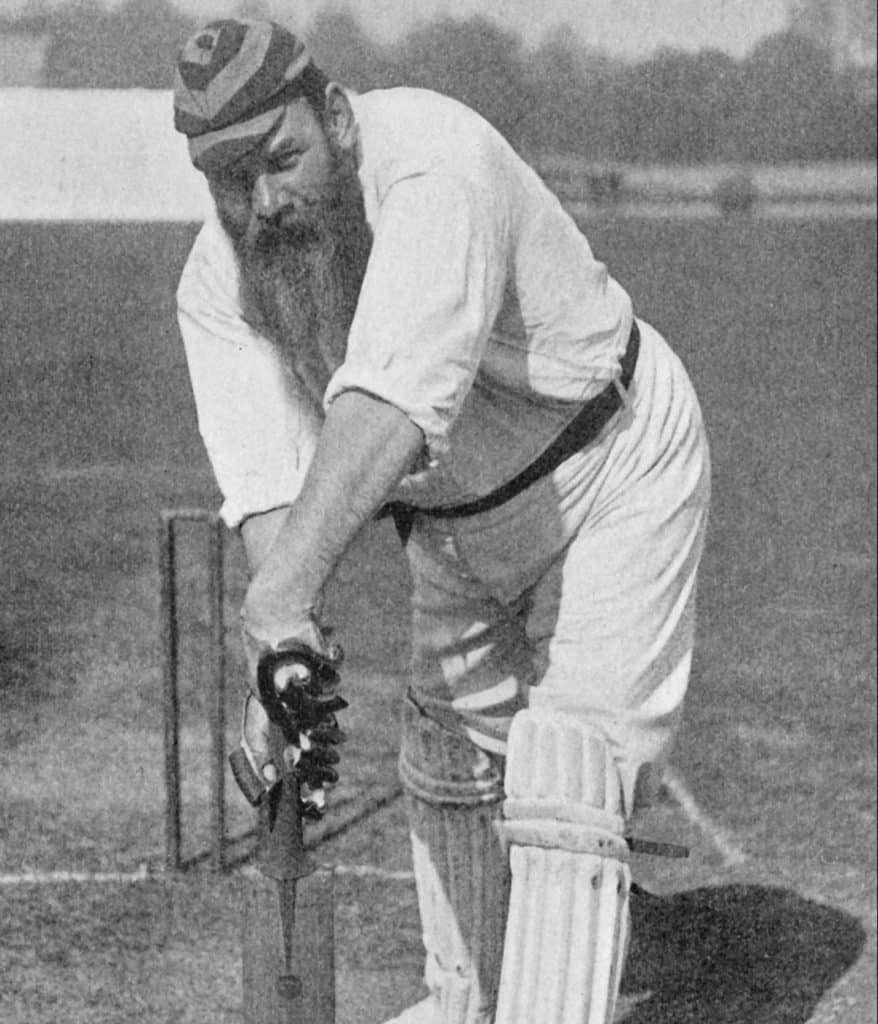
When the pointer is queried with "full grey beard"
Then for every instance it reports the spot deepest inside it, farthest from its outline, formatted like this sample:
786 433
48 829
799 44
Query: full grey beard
300 281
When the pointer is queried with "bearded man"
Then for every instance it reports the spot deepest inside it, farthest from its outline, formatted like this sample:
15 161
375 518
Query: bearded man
390 310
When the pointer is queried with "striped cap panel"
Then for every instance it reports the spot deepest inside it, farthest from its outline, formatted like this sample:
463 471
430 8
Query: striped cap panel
231 71
214 151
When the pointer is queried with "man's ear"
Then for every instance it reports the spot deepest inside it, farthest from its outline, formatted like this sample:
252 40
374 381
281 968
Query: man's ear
339 117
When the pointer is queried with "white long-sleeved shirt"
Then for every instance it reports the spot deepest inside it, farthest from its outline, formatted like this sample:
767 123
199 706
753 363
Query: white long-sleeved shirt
483 315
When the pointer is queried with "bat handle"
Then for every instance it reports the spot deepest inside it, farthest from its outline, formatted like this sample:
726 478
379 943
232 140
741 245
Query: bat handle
289 984
288 947
280 847
281 855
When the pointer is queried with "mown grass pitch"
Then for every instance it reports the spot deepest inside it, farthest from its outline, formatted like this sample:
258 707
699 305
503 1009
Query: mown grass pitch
776 323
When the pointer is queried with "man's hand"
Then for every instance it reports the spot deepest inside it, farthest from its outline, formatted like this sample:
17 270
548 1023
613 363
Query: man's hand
261 631
256 730
296 700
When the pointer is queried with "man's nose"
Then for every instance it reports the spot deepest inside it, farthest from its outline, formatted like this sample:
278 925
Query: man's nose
270 195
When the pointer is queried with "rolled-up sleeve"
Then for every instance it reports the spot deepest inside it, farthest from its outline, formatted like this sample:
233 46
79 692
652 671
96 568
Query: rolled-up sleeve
432 290
258 423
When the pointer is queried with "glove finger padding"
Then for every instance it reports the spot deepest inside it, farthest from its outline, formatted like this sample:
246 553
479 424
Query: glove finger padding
321 756
314 774
312 764
328 733
298 689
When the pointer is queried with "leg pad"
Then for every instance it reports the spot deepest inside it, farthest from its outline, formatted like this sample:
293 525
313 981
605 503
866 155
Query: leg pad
454 798
567 929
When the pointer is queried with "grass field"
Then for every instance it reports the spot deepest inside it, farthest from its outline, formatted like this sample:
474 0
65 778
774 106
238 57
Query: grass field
771 920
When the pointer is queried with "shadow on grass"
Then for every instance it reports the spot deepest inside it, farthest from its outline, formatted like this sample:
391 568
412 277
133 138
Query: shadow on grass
734 955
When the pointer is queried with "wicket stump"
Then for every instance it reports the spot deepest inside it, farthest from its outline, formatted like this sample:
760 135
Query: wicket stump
170 652
287 900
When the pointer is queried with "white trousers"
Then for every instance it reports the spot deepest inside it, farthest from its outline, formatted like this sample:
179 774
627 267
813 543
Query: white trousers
579 593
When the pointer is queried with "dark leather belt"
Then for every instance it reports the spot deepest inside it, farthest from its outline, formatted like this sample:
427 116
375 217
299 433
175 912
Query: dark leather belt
580 432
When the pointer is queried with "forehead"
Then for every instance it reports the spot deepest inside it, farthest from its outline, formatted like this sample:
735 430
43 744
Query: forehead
299 124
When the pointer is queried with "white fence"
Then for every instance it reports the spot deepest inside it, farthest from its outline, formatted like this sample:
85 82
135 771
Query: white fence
83 154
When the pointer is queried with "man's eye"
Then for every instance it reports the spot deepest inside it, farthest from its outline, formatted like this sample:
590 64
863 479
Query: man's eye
286 161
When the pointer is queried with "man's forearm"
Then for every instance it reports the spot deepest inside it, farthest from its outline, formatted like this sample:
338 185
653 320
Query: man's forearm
365 447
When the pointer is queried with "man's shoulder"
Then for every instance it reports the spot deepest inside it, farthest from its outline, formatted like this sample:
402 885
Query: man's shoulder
420 113
408 95
406 132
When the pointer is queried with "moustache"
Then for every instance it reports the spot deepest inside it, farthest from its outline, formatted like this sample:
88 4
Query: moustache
266 236
307 221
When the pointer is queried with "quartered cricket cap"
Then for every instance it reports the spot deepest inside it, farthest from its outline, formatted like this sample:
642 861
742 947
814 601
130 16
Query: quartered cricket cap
233 80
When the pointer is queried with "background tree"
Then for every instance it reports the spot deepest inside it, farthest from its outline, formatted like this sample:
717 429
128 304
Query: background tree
563 94
473 60
790 99
794 109
676 107
344 51
133 46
